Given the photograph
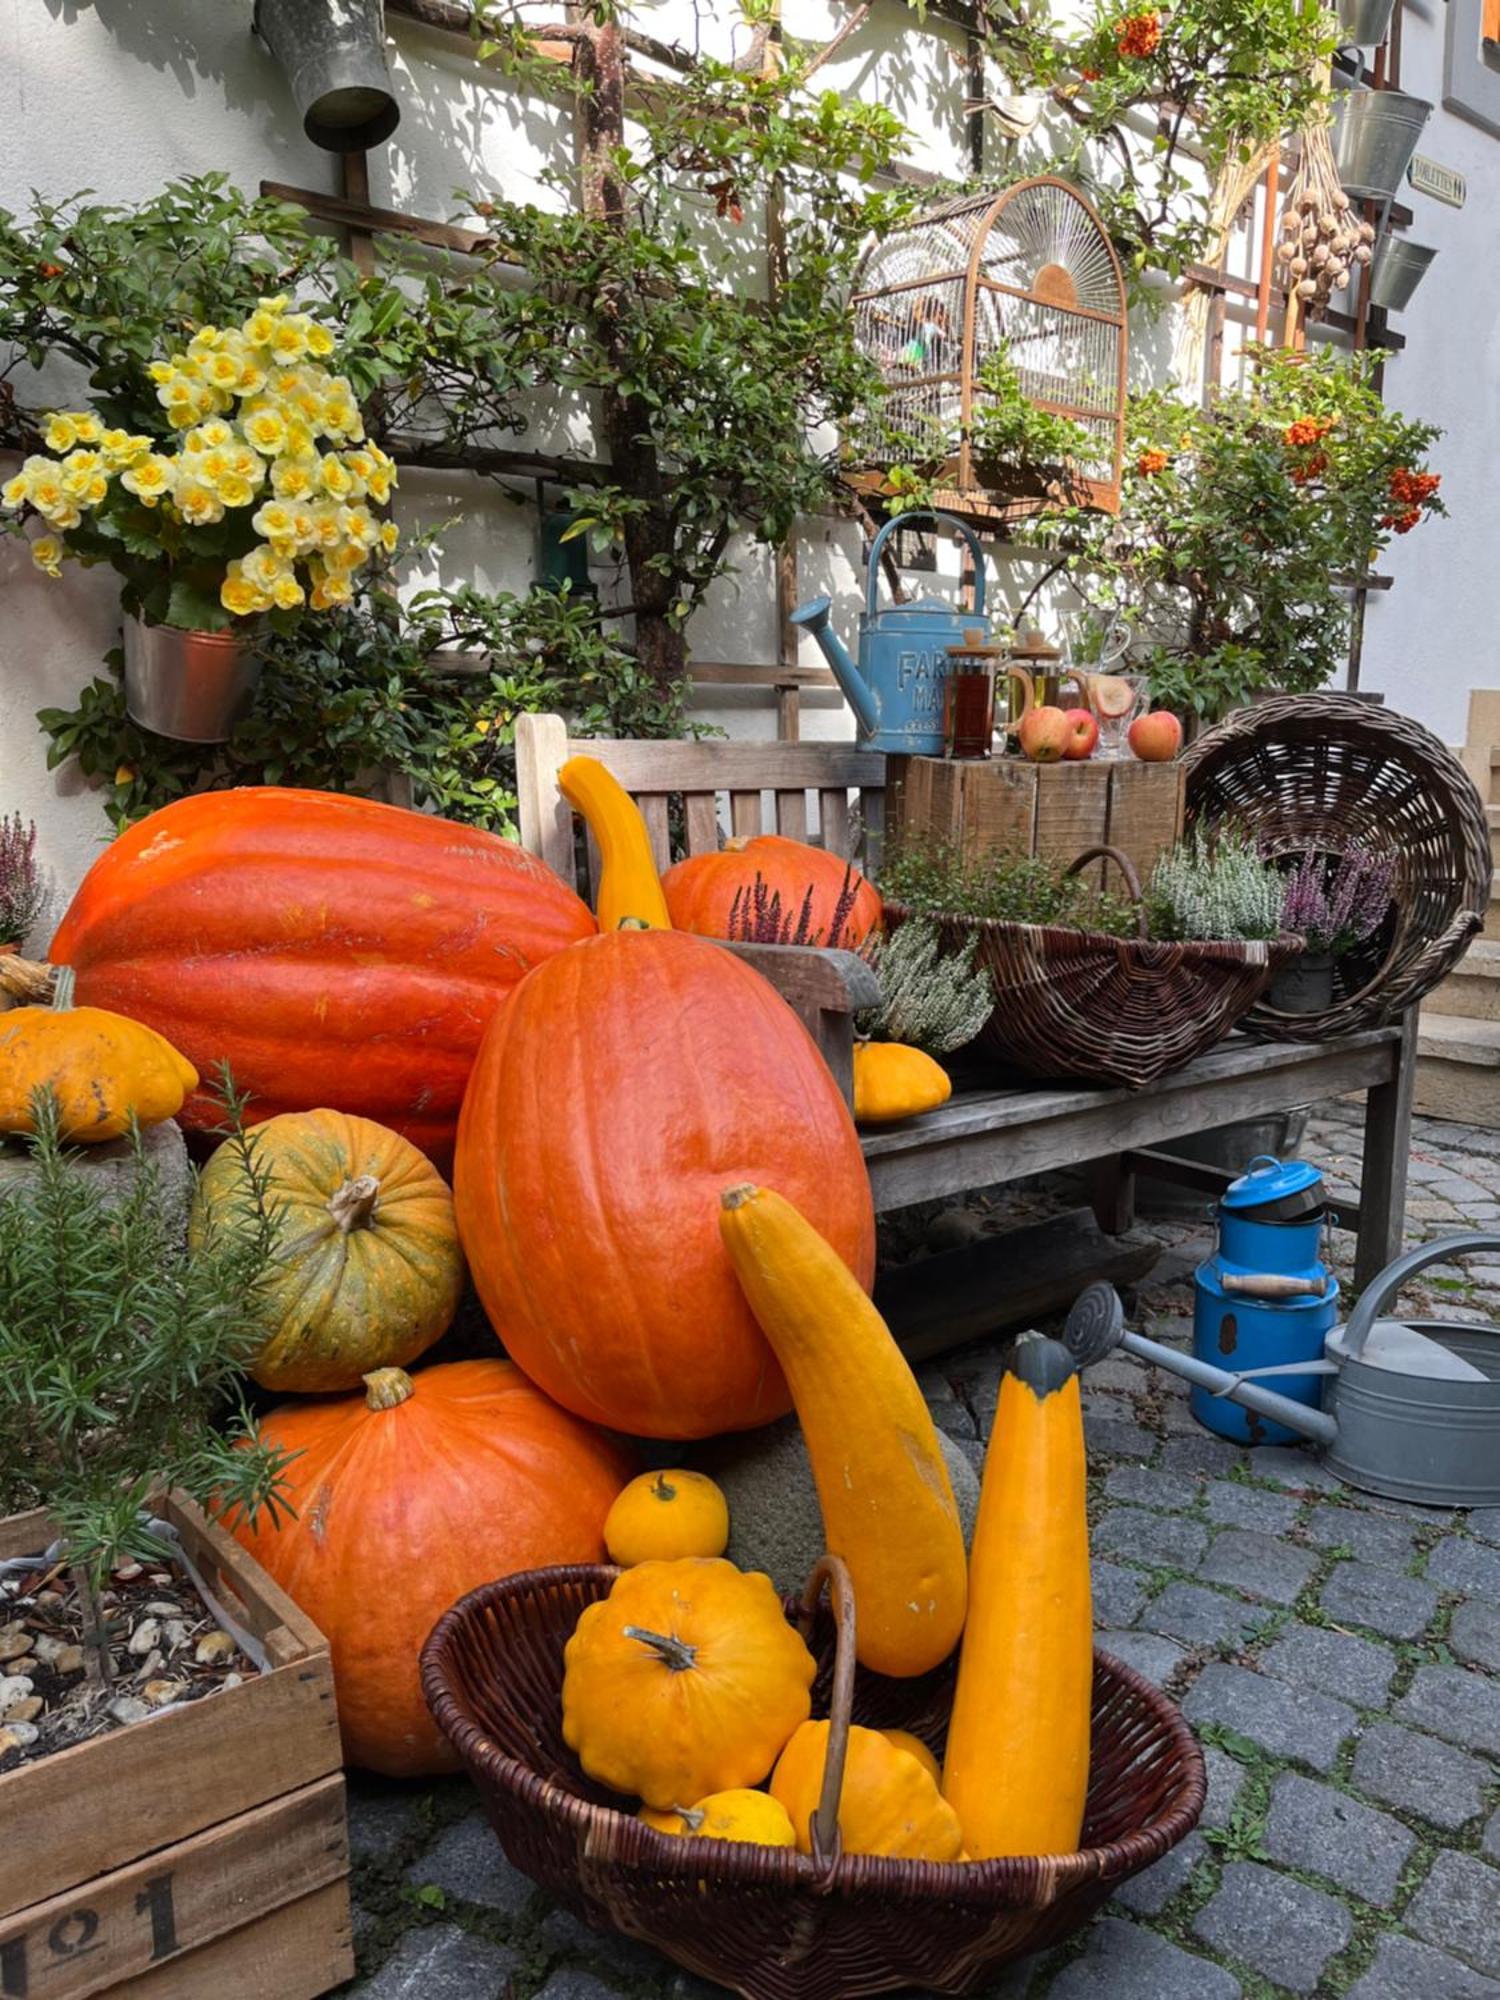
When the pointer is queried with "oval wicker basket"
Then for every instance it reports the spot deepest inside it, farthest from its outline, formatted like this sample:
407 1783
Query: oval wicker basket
770 1924
1071 1003
1323 773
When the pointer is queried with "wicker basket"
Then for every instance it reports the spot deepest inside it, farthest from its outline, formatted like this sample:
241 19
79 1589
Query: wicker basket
770 1924
1323 773
1072 1003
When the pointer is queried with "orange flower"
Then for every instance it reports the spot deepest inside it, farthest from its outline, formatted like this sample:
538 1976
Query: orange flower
1151 462
1139 35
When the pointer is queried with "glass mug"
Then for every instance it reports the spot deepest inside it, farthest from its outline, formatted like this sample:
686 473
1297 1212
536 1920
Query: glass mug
970 701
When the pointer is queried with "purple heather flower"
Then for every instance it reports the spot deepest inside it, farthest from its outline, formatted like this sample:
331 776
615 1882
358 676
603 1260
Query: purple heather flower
1337 902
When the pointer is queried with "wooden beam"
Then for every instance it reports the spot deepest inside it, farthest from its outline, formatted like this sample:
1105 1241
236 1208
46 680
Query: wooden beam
382 221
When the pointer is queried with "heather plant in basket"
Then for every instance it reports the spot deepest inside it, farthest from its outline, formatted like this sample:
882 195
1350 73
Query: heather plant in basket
1215 886
1338 902
23 888
758 916
935 878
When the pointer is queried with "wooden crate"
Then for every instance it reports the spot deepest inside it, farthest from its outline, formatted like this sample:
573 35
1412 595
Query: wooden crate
202 1851
1006 805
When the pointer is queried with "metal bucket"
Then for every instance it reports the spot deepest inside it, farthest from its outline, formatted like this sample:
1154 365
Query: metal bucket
332 53
1364 23
1399 269
1374 134
191 686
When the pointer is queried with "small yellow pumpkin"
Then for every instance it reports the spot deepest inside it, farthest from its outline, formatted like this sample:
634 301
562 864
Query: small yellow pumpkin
662 1516
889 1803
104 1068
893 1080
734 1815
685 1680
902 1739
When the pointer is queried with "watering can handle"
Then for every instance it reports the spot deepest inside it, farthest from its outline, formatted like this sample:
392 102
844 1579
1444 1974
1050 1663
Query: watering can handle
872 587
1382 1289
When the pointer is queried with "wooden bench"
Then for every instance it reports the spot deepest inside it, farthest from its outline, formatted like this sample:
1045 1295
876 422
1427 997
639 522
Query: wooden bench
984 1135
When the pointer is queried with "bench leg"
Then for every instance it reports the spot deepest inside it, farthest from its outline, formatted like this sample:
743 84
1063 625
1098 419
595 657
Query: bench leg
1387 1155
1114 1193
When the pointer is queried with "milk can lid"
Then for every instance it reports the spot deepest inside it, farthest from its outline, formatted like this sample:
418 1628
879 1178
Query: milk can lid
1270 1180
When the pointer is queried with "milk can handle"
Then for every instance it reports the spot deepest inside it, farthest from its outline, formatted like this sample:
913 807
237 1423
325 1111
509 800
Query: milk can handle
872 587
1382 1289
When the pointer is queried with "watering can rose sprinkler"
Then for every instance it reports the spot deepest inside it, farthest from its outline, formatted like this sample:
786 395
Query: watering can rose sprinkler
896 686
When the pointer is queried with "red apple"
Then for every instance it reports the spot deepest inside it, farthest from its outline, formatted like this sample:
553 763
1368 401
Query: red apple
1045 733
1083 734
1155 738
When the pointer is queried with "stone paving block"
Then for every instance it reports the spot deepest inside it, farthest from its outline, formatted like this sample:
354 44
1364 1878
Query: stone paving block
1326 1832
441 1962
563 1934
1292 1465
1458 1908
1398 1607
467 1864
566 1984
1459 1564
1485 1522
1226 1777
1118 1593
1144 1486
1156 1658
1202 1617
1370 1538
1304 1727
1258 1564
1284 1930
383 1820
1491 1841
1162 1541
1420 1775
1149 1893
1455 1703
1199 1451
1340 1663
1120 1961
1111 1437
1234 1506
1402 1969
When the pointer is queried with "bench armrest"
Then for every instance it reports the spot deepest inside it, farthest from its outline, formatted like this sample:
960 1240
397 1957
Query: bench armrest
825 989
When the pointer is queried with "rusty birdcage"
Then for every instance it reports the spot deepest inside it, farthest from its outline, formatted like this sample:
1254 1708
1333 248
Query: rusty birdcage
1029 273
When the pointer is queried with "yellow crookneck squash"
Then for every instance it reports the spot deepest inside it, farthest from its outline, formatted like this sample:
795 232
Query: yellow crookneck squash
103 1068
735 1815
1017 1766
662 1516
889 1803
685 1680
887 1505
629 885
893 1080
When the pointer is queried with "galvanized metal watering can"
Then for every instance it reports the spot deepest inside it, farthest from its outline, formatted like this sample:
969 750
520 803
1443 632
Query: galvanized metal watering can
896 686
1410 1408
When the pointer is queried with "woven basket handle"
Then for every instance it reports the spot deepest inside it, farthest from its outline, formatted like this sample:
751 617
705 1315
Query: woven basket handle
826 1846
1435 956
1126 867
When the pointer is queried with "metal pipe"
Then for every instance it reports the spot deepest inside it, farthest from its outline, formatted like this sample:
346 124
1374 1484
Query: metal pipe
1314 1424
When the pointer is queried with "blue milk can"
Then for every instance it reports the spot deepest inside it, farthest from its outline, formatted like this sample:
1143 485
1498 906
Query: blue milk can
1265 1299
897 685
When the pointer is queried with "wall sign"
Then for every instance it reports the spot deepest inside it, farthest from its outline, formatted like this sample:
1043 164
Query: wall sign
1442 183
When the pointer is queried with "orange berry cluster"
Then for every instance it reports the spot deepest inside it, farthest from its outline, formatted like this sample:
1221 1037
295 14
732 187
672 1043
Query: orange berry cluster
1139 35
1150 462
1411 491
1310 468
1307 430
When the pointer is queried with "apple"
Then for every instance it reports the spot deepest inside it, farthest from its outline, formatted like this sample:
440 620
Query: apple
1113 695
1083 734
1155 738
1045 734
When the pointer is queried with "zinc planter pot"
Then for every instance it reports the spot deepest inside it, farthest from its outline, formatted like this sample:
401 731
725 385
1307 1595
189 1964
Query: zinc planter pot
191 686
1303 987
1364 23
332 53
1399 269
1375 133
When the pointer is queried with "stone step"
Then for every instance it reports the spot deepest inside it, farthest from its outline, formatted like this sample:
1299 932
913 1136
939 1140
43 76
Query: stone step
1492 914
1471 990
1458 1070
1492 814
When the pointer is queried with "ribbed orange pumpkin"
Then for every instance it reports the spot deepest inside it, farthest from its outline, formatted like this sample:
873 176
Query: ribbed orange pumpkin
623 1086
700 891
407 1496
322 945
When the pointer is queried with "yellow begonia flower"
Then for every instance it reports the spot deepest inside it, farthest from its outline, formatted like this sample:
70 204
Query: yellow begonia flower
360 526
287 593
83 477
262 567
319 340
266 431
252 377
47 553
121 448
294 478
161 372
288 340
390 535
67 514
215 435
330 591
206 339
336 481
301 441
226 370
379 485
61 433
275 522
327 527
198 505
239 595
16 492
150 479
234 491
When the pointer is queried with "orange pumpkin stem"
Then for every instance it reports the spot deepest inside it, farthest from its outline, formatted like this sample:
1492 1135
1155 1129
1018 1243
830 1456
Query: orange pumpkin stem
353 1205
672 1652
736 1197
662 1488
62 989
387 1388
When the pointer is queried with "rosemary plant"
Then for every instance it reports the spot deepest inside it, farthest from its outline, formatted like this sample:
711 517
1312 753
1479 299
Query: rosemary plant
1215 886
932 1001
935 878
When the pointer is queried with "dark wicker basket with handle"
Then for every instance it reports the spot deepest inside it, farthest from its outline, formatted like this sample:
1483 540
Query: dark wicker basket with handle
768 1923
1071 1003
1322 773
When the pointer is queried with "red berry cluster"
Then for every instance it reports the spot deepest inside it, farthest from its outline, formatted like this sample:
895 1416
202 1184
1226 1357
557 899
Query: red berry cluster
1411 492
1139 35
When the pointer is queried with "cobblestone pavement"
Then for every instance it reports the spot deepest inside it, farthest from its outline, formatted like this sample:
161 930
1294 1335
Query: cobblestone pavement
1339 1657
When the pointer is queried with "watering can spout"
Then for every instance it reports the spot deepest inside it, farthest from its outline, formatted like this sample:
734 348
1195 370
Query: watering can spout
813 617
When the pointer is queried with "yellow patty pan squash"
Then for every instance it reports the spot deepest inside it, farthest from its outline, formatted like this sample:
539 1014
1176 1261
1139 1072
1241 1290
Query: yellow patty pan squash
102 1067
662 1516
889 1803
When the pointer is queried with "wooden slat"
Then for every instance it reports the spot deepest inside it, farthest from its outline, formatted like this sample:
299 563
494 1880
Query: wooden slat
872 814
744 814
296 1953
712 673
833 816
999 809
382 221
701 811
791 814
232 1573
546 819
644 766
1145 814
824 989
1072 811
653 807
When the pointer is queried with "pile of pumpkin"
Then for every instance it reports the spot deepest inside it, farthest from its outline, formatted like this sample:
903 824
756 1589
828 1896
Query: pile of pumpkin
618 1100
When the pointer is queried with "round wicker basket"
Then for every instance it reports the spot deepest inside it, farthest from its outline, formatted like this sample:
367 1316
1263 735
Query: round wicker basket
765 1922
1326 772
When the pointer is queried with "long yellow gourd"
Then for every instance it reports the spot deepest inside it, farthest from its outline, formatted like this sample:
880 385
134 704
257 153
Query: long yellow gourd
1017 1766
629 886
883 1488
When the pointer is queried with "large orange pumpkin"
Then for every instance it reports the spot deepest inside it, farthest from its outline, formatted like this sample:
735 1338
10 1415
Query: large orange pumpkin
408 1495
701 891
324 946
625 1084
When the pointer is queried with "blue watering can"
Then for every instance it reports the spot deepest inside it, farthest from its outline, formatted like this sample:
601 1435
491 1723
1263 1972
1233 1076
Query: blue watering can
896 688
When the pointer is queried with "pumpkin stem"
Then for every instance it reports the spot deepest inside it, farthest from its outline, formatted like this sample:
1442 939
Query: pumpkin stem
353 1205
737 843
633 924
387 1388
62 988
737 1197
690 1816
673 1652
662 1488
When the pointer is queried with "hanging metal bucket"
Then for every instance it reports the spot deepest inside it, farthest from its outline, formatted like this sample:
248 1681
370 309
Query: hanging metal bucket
1399 269
1374 134
332 53
191 686
1364 23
